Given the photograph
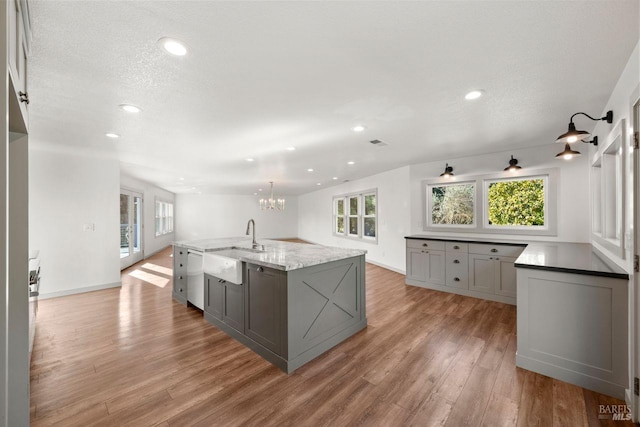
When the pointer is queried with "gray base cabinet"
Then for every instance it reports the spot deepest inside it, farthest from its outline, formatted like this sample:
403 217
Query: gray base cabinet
482 270
180 274
290 317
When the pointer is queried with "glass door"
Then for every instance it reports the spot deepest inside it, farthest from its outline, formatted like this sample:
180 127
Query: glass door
131 249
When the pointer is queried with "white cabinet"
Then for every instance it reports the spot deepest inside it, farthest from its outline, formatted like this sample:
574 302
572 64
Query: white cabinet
19 41
493 275
426 265
483 270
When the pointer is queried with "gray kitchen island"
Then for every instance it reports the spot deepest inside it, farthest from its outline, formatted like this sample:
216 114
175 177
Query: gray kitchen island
288 302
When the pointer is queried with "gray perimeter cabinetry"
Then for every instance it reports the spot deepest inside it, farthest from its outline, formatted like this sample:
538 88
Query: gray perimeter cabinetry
290 317
479 269
180 274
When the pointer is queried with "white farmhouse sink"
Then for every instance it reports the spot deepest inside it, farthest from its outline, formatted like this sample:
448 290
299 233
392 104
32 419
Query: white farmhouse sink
225 264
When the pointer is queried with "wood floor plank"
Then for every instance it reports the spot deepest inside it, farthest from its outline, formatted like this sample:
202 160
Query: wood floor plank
132 356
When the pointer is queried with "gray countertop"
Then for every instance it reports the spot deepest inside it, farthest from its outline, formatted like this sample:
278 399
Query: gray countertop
577 258
275 254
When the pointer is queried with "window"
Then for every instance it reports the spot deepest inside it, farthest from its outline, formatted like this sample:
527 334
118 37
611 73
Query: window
355 215
516 202
453 204
164 218
495 203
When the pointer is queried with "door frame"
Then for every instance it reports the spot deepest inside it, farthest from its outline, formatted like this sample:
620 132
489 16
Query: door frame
634 282
131 258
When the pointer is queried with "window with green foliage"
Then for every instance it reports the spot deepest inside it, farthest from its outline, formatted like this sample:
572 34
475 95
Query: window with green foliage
453 204
501 202
355 215
516 202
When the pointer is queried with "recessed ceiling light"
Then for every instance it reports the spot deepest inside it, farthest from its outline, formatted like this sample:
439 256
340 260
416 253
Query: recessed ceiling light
474 94
255 194
130 108
358 128
351 162
173 46
259 189
334 178
249 160
291 148
181 178
309 170
318 183
112 135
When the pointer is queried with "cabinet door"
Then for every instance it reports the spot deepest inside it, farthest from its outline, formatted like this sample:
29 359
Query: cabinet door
233 307
213 296
435 267
264 292
416 265
482 273
506 280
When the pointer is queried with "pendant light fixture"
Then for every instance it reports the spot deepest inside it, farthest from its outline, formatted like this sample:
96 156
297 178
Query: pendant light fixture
448 172
272 203
513 165
568 153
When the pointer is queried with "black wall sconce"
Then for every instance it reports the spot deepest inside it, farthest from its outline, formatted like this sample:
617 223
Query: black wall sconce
448 171
573 135
513 165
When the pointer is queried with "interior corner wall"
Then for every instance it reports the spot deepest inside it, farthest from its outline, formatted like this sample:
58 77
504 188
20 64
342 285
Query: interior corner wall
201 216
573 218
67 191
150 193
315 222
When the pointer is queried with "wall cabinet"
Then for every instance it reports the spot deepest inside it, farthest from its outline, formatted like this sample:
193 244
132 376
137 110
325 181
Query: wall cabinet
19 41
483 270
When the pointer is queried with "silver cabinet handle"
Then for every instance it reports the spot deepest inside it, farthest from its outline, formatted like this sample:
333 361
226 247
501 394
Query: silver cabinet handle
456 261
180 252
180 277
456 247
180 289
180 265
490 257
425 245
494 250
497 259
260 269
457 279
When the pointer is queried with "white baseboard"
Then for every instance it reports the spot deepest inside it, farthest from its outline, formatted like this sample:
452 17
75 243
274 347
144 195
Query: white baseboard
74 291
388 267
149 255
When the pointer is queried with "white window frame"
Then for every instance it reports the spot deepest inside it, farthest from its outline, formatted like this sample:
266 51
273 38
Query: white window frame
360 195
165 228
428 191
481 212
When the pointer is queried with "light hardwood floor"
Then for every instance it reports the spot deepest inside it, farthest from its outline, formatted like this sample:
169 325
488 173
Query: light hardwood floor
132 356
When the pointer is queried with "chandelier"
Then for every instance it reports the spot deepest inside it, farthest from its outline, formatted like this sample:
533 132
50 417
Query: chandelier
272 203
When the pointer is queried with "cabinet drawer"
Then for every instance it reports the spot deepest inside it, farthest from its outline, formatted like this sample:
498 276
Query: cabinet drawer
457 270
489 249
435 245
457 247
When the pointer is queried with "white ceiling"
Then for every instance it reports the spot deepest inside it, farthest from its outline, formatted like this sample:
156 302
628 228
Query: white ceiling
262 76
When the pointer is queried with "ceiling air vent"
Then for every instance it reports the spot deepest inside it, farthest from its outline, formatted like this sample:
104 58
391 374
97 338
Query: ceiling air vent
378 143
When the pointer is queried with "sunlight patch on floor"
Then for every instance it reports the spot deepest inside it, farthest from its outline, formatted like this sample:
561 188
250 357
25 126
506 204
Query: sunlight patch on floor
158 269
150 278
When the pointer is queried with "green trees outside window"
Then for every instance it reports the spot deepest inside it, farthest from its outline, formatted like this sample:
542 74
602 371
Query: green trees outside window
516 203
453 204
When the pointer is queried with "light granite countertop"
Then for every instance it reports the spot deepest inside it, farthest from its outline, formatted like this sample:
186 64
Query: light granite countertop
273 253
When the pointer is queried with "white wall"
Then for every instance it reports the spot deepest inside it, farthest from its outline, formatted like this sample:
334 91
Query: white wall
316 217
573 192
625 94
67 191
200 216
150 192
